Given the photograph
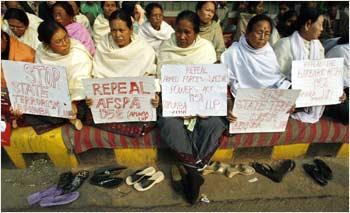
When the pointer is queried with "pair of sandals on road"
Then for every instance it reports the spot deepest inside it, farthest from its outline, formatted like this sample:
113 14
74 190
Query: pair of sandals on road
275 174
144 179
63 193
229 170
319 171
107 176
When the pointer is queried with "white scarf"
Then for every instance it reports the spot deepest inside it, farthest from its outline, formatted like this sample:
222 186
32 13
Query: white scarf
135 59
78 64
200 52
299 52
155 37
34 21
253 68
100 28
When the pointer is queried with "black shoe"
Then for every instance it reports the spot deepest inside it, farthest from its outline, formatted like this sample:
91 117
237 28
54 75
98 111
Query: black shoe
65 180
106 181
109 170
78 180
315 173
324 169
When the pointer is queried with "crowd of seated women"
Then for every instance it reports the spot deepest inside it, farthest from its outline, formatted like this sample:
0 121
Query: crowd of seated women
127 41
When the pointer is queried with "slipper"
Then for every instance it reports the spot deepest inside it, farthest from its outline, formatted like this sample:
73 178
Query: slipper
242 169
106 181
78 180
108 170
147 183
277 174
315 174
59 200
324 169
37 196
65 180
139 174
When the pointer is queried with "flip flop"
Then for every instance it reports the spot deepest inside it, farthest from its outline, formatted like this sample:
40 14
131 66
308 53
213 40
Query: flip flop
211 168
242 169
59 200
106 181
315 174
37 196
78 180
139 174
109 170
324 169
147 183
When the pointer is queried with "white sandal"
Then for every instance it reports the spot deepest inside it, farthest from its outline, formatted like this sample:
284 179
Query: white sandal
147 183
139 174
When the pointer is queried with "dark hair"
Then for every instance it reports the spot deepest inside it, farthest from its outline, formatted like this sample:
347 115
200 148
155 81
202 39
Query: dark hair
121 15
284 30
77 3
116 4
191 17
150 7
46 30
128 7
26 7
200 5
287 15
305 15
252 6
256 19
66 6
20 15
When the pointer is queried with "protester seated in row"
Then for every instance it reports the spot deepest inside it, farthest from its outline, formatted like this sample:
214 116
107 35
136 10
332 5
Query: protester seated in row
210 29
303 44
34 20
18 26
59 49
340 112
80 18
252 62
63 13
193 148
13 50
155 30
121 53
286 23
101 23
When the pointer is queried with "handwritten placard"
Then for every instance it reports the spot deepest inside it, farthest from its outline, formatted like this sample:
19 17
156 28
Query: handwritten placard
262 110
320 81
38 89
189 90
121 99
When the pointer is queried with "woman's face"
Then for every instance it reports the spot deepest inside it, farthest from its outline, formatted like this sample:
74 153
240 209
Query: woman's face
108 8
121 33
184 33
314 30
75 7
259 8
60 42
17 27
260 34
156 18
289 22
206 13
61 16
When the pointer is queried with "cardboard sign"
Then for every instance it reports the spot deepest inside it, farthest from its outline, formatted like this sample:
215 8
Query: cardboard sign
320 81
121 99
262 110
38 89
190 90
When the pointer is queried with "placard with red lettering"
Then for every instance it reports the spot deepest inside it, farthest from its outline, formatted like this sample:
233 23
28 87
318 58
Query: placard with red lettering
190 90
262 110
126 99
38 89
320 81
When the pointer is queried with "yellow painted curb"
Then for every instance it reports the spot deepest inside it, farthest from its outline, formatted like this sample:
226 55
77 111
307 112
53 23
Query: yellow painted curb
289 151
25 140
223 155
343 151
135 157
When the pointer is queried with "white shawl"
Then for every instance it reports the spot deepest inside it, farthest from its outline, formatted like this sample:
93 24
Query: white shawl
135 59
78 64
155 37
100 28
342 51
200 52
34 21
252 68
300 52
83 20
